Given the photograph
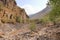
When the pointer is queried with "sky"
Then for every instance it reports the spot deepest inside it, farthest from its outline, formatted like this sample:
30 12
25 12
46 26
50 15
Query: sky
32 6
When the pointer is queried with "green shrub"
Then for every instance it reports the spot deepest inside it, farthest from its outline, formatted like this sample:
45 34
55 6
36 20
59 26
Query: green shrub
45 19
32 26
18 19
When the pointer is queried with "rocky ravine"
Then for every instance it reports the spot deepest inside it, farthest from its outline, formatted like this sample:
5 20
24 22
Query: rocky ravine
9 11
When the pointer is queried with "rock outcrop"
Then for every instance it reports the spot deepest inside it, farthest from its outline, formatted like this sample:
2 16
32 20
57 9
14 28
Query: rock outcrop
10 12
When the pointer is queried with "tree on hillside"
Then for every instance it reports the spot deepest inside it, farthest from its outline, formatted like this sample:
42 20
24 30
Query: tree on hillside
55 12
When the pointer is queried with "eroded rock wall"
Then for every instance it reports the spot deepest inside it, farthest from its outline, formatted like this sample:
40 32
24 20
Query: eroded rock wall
9 11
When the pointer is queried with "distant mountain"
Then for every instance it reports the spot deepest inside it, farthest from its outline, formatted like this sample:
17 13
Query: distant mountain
41 13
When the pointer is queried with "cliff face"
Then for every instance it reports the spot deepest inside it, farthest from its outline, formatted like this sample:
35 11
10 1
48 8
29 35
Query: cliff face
8 2
10 12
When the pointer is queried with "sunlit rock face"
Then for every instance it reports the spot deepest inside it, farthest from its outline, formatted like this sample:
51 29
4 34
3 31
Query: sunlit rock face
9 11
10 18
8 3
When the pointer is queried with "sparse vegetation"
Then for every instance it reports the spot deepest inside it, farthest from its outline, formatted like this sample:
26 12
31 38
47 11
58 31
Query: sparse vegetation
54 14
18 19
32 26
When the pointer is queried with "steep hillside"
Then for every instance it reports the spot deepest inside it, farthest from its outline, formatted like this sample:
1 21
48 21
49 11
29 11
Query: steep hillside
41 13
10 12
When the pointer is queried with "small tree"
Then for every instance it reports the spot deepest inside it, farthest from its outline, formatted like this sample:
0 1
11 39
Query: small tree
55 12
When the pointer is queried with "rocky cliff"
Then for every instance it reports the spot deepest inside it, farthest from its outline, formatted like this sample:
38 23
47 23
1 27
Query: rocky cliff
10 12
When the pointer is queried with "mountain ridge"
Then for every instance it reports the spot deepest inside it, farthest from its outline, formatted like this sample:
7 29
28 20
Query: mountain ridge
41 13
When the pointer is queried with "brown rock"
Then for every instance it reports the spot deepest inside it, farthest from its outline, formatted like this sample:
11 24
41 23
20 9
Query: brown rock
11 13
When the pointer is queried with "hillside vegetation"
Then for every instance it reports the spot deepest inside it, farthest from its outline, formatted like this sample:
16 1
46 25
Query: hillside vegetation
54 14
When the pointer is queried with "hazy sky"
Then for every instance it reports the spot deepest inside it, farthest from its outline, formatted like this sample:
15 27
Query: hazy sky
32 6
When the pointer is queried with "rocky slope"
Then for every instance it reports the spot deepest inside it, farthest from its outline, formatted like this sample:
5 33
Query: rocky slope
10 12
41 32
41 13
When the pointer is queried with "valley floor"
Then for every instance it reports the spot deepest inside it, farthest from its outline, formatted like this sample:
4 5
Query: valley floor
22 32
